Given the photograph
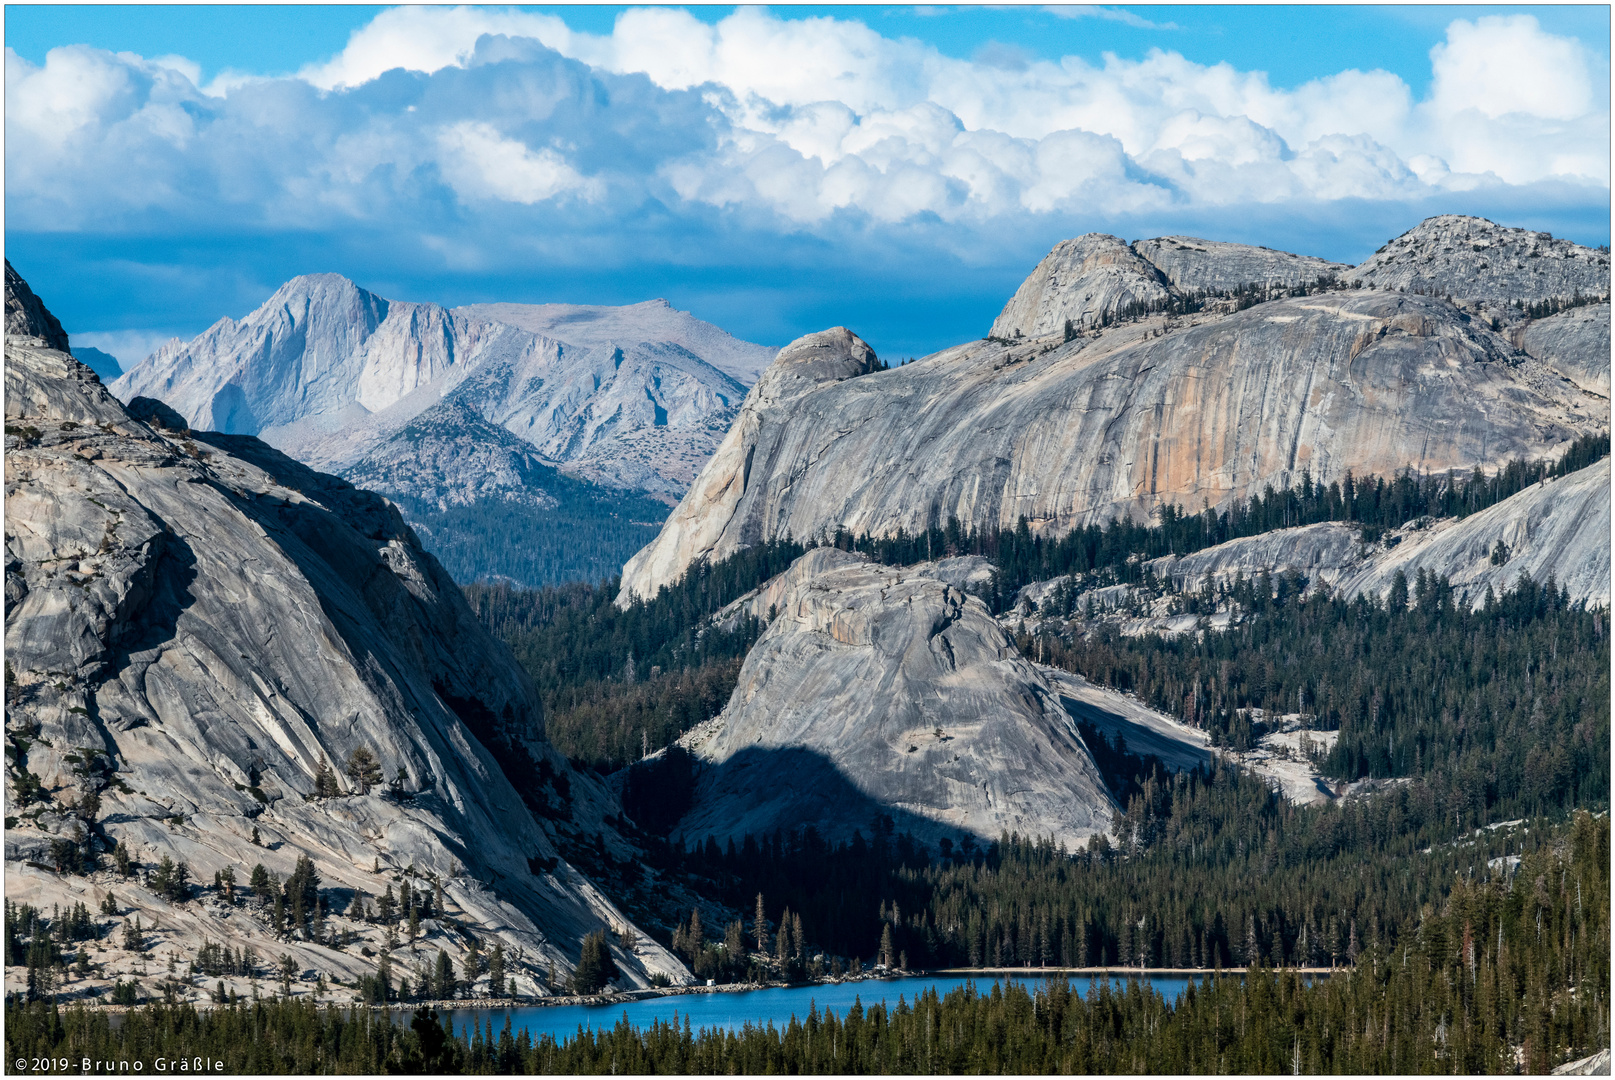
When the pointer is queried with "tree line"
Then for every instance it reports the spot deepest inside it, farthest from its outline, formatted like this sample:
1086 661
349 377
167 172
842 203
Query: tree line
1509 971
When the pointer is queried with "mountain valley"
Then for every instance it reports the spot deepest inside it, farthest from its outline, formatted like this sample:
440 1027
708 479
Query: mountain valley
1222 607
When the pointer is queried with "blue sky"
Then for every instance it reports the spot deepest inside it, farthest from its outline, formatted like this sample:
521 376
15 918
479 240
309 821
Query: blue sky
778 170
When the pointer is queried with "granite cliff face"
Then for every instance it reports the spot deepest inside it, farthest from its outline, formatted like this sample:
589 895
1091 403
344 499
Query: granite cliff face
1574 343
1188 410
326 371
1078 282
26 315
1472 258
1095 278
1558 528
1191 264
878 690
193 625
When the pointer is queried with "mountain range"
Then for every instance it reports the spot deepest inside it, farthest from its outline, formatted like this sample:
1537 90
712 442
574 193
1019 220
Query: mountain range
1105 390
334 376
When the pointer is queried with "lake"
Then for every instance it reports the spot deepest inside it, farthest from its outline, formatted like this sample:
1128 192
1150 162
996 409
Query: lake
774 1005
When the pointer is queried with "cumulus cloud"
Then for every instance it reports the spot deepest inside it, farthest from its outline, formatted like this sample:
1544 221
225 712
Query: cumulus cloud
486 137
1506 64
480 163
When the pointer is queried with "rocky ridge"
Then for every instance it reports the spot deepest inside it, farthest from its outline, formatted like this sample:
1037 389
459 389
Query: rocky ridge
27 316
450 456
1472 258
884 691
1095 278
1192 265
650 320
326 371
1558 528
194 625
1192 410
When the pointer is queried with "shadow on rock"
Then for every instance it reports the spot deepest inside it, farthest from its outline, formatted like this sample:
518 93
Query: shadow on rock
764 790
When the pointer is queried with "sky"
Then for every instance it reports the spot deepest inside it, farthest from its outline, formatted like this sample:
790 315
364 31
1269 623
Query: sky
898 170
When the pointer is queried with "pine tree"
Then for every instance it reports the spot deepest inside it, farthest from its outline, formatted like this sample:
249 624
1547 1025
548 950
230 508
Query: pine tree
364 769
325 782
595 965
387 907
496 970
759 926
695 938
443 977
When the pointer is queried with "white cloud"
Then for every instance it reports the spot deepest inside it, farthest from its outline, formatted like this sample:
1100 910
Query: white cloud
1503 64
426 39
480 163
796 120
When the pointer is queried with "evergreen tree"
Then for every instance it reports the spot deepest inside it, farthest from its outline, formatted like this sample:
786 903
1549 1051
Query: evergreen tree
595 964
496 970
443 983
363 769
759 926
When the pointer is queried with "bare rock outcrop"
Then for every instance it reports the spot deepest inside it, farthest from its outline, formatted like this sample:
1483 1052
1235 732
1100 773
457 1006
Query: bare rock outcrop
1078 283
27 316
884 691
1472 258
1558 528
1575 343
1195 265
1166 409
195 626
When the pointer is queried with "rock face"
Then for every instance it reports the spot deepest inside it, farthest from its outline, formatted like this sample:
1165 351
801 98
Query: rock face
1470 257
1195 265
194 625
1078 282
1094 278
877 690
326 371
1575 343
1559 528
26 315
652 320
1190 411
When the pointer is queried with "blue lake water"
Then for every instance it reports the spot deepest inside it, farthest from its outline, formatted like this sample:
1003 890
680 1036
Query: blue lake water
758 1007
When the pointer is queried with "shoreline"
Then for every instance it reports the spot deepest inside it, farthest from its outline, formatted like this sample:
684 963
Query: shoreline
627 997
